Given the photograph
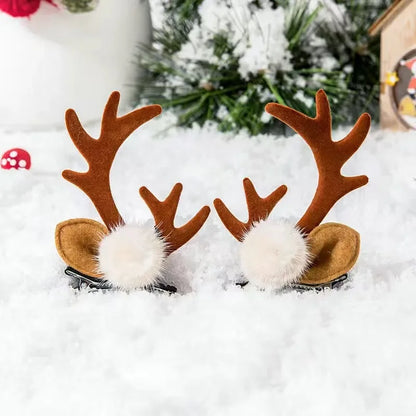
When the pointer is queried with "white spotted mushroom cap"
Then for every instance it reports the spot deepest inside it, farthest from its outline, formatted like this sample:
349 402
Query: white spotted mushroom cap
16 159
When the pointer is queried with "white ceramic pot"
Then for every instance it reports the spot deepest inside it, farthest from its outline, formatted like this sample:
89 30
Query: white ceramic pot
57 59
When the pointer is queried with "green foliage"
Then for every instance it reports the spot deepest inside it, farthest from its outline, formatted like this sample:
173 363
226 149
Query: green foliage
202 90
79 6
358 54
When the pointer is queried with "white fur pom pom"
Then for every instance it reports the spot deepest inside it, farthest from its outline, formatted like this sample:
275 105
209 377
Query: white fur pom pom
274 254
131 256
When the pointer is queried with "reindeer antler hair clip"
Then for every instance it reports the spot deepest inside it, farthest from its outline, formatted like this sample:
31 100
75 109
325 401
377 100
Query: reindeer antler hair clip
116 254
274 255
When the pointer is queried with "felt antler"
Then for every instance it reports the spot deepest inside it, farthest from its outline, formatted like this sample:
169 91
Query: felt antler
330 156
274 255
258 209
100 153
127 256
164 214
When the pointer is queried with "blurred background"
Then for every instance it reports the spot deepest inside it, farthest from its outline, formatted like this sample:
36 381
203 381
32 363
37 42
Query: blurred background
209 61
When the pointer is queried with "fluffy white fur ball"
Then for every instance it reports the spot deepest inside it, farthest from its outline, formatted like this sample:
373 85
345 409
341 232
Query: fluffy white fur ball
132 256
274 254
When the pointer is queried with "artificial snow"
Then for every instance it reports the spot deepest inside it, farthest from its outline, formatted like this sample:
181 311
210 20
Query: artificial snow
257 35
213 348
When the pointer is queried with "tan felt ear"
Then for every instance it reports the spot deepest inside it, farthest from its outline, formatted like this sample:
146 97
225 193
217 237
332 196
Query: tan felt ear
77 243
334 248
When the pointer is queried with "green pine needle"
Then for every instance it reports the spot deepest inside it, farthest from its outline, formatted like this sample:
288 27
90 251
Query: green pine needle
217 92
79 6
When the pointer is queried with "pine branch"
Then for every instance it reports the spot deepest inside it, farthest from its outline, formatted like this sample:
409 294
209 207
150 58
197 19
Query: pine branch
202 90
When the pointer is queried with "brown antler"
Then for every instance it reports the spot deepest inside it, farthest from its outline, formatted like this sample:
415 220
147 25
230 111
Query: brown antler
164 214
330 156
258 209
100 153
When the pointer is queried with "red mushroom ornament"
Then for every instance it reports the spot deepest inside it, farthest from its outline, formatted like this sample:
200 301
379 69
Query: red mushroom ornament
16 159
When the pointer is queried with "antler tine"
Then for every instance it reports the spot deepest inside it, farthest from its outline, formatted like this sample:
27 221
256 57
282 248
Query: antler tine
330 156
258 209
312 130
82 140
355 138
100 153
164 213
126 124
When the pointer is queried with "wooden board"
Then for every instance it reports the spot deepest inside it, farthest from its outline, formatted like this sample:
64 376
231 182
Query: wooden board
390 13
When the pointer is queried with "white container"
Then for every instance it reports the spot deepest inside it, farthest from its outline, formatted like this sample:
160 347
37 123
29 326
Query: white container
55 60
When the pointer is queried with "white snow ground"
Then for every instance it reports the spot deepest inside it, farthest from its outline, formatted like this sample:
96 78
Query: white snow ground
214 349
